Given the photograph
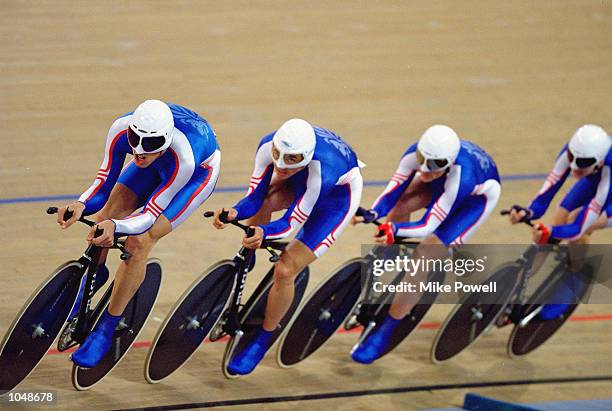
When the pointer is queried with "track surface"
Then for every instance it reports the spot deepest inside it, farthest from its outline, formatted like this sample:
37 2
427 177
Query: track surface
515 77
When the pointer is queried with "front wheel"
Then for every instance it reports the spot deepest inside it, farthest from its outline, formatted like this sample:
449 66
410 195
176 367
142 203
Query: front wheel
134 318
190 321
37 324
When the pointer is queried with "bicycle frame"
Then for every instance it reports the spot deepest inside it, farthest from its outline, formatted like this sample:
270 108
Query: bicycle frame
89 262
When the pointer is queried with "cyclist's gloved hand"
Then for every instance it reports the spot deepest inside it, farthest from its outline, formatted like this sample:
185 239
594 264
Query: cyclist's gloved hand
541 233
364 216
385 234
520 214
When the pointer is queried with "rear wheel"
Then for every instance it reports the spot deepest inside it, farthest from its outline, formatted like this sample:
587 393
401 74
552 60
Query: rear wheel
134 318
37 324
472 317
324 311
254 313
527 337
190 321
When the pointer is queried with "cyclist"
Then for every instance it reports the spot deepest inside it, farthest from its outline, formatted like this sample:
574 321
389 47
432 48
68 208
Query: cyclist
458 183
585 208
315 176
175 166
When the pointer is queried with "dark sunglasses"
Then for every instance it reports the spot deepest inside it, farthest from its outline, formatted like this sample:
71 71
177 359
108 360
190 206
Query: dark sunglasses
149 144
581 162
432 164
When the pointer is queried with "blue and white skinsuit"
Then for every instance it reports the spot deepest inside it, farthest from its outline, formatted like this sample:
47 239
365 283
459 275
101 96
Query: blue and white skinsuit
327 192
462 199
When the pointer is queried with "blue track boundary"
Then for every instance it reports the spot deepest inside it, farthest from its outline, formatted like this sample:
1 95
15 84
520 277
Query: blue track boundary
238 189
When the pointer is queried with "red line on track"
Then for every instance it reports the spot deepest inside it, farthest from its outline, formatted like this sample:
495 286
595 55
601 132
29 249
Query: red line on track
423 326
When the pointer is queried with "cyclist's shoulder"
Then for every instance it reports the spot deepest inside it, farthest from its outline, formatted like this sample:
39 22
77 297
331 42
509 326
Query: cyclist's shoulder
119 126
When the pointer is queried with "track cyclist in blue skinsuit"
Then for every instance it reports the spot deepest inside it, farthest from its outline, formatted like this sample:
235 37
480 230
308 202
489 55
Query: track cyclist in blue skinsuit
174 170
315 176
585 208
459 185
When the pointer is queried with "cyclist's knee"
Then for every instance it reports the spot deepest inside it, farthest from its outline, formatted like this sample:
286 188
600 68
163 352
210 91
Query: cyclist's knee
284 271
139 246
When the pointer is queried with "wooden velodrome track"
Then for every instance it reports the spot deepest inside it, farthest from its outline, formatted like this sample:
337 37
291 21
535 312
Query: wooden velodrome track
515 77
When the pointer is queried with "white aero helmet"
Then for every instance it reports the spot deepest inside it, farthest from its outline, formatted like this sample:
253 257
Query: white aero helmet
295 137
437 148
588 146
151 127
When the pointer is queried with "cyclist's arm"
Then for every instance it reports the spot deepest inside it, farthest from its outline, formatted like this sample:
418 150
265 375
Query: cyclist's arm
258 186
301 208
456 188
551 186
115 151
181 172
404 174
589 214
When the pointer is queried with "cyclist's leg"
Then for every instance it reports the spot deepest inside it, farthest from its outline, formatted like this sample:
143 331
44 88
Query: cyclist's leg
416 196
324 225
130 193
131 273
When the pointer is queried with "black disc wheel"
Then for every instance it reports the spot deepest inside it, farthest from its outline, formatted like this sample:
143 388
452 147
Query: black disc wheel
469 319
190 321
322 314
134 318
37 324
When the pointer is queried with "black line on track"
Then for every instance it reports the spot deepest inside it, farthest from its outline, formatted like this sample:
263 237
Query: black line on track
362 393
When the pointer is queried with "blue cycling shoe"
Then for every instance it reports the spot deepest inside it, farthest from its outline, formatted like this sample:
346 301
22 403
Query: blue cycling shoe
375 344
97 344
568 291
101 279
245 361
552 311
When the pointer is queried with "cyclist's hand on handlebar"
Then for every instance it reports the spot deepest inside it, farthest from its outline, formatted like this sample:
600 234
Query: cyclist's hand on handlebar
107 239
364 216
255 240
217 223
540 233
76 208
519 214
385 234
